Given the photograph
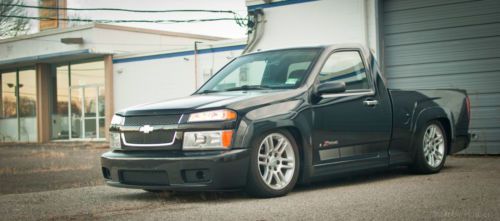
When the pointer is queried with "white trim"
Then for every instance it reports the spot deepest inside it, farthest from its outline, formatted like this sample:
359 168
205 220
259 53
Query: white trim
112 27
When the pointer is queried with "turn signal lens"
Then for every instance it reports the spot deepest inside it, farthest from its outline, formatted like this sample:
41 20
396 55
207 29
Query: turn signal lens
227 136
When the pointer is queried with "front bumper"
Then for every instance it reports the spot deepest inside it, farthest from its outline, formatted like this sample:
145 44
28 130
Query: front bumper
176 170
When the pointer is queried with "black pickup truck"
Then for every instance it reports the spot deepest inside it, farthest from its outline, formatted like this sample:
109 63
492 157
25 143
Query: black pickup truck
268 120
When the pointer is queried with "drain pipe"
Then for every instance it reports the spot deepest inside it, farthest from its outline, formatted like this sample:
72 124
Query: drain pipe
255 29
196 64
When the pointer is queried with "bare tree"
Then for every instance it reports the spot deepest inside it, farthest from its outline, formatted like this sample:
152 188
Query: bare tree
11 27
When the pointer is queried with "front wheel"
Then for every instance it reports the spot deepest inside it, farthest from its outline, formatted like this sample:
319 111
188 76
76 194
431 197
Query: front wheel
274 164
431 149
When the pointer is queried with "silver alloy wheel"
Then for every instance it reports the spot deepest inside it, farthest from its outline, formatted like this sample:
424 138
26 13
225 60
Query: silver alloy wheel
433 145
276 161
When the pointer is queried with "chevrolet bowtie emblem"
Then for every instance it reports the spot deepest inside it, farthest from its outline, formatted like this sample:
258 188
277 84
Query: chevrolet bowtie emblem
146 129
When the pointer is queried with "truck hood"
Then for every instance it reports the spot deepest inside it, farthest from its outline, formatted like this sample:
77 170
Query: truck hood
235 100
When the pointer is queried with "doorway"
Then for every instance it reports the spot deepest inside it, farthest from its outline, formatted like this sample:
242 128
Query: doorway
87 116
78 101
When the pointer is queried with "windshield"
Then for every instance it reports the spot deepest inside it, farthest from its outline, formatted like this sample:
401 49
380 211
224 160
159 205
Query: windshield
281 69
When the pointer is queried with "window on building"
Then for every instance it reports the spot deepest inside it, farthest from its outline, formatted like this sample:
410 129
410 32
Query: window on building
18 106
82 86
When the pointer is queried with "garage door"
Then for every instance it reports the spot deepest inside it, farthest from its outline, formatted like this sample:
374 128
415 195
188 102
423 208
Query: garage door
449 44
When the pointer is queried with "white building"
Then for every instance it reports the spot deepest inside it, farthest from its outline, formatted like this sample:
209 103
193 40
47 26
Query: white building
43 73
169 74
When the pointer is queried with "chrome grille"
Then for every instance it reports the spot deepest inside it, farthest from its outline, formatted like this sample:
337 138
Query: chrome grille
165 137
152 120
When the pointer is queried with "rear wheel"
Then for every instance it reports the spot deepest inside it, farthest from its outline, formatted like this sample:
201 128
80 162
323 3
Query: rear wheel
431 149
274 165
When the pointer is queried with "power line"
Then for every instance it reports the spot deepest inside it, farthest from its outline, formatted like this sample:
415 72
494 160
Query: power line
118 9
238 20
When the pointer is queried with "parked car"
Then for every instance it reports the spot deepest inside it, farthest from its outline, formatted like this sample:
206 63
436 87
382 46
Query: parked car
268 120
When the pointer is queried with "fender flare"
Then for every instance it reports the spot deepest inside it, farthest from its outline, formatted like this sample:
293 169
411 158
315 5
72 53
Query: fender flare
296 124
426 115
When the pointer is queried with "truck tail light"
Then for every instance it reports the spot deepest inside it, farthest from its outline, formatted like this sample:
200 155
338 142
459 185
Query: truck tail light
467 102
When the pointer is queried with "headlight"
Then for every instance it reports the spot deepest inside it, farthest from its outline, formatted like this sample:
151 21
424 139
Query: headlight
207 140
117 120
216 115
114 141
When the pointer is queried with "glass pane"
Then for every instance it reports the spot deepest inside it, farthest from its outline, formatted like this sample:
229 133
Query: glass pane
248 74
91 97
60 97
90 128
8 110
101 127
268 70
90 94
76 113
102 104
27 105
91 73
347 67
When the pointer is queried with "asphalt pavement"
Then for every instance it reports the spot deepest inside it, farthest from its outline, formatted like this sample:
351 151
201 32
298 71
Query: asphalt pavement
67 186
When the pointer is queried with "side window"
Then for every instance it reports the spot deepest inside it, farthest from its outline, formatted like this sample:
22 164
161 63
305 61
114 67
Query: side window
348 67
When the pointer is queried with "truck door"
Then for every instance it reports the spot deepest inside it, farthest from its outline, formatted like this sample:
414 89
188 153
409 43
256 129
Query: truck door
353 125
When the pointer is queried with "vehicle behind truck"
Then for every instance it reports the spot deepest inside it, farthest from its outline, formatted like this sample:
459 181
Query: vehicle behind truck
268 120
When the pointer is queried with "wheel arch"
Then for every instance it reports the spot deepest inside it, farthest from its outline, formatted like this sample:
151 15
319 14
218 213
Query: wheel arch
447 129
434 114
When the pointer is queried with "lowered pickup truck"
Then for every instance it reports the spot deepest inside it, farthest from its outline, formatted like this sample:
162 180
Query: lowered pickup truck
268 120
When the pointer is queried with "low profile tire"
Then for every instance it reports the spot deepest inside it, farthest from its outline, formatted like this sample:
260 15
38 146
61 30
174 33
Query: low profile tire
274 164
431 149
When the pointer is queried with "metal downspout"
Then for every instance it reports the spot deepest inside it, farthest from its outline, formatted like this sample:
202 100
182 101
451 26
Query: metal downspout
255 29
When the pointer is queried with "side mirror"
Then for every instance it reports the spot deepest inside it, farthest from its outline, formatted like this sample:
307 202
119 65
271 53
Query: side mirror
331 88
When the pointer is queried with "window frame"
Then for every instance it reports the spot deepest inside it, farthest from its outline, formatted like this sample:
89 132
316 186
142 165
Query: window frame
370 91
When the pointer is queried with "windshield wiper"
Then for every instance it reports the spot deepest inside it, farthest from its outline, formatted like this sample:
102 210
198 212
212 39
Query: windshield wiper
207 91
249 87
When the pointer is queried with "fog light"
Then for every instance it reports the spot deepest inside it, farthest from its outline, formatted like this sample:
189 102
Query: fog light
207 140
114 141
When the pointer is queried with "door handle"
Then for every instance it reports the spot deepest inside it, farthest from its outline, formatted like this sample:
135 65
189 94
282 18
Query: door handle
370 103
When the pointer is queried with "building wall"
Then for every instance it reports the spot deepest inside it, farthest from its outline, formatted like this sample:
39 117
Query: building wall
151 78
99 41
457 45
105 39
311 23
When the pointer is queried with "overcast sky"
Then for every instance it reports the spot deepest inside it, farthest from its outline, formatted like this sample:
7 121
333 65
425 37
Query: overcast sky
228 29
